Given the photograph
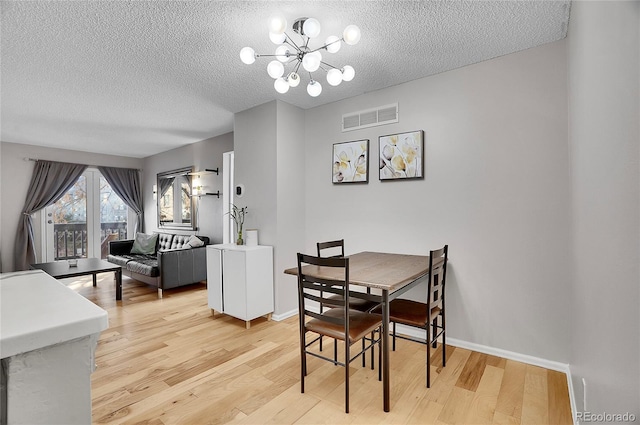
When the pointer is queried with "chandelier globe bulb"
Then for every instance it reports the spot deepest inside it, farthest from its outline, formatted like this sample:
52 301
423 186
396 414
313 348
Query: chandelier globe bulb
247 55
277 24
334 77
283 53
311 61
314 88
294 79
348 73
311 27
333 44
275 69
277 38
281 85
351 35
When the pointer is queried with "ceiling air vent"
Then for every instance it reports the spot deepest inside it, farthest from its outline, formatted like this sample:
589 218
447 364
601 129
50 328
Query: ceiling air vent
370 117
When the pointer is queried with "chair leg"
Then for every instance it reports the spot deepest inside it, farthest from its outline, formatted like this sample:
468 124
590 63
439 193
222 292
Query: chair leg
373 348
335 351
321 313
434 331
380 355
394 336
346 374
303 364
428 358
364 354
444 341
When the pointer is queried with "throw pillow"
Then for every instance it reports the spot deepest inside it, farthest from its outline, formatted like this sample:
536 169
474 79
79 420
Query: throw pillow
144 244
193 242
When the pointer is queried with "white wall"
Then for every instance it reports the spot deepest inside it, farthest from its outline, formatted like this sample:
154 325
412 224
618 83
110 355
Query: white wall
15 176
291 194
200 156
604 112
256 168
496 189
270 162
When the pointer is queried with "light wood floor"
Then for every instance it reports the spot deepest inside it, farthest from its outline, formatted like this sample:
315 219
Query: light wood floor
170 361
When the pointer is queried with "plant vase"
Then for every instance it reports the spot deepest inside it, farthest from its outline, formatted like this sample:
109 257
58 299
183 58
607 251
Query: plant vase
238 215
239 240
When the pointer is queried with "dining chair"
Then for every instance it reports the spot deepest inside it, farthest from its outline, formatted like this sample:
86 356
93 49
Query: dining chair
336 250
324 246
425 315
339 322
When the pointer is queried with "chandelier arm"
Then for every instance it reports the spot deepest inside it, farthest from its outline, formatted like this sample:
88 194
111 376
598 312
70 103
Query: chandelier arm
298 66
328 44
290 41
329 65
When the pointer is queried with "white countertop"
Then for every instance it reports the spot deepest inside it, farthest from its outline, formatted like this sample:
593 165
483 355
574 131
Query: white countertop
37 311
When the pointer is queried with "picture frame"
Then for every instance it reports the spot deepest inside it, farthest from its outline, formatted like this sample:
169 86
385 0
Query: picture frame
401 156
350 162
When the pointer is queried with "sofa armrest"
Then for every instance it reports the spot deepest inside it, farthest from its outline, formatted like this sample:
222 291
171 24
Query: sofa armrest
121 247
182 266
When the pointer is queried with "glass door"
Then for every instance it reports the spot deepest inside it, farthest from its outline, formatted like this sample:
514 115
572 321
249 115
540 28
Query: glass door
67 224
83 222
114 218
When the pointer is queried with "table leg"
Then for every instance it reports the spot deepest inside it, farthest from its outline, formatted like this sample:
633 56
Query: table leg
385 349
95 279
118 284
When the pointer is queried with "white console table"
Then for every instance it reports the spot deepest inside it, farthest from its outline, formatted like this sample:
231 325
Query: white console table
48 337
240 280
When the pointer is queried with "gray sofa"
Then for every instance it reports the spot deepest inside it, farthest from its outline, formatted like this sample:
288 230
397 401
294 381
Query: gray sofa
169 267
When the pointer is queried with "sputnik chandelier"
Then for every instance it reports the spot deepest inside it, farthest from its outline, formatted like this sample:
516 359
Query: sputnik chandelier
291 55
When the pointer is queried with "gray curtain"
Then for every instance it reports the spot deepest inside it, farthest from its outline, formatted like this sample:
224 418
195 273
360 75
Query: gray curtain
125 182
49 182
165 184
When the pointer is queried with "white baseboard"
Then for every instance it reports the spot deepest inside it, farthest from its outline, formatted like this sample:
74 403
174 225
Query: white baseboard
285 315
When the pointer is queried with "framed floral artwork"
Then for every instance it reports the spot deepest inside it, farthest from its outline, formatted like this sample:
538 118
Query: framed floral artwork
351 162
402 156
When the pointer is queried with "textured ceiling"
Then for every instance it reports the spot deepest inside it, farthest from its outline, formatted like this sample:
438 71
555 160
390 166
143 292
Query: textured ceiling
136 78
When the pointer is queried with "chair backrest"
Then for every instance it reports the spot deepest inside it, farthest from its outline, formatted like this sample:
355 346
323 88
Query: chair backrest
437 277
331 244
318 289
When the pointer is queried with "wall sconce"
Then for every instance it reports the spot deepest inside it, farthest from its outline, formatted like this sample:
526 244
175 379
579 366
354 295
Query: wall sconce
155 192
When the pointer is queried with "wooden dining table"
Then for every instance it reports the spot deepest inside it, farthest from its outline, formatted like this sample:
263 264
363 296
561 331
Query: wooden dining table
391 274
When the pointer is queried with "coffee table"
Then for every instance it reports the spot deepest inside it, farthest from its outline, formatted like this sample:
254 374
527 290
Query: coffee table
86 266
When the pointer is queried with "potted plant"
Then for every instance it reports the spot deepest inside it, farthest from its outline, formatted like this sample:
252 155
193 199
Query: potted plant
238 215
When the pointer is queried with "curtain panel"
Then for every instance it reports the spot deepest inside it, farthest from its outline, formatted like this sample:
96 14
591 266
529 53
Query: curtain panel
49 182
126 183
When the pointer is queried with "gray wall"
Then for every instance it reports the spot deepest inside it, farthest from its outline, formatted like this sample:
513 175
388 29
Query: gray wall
496 189
200 155
291 195
15 175
604 112
269 161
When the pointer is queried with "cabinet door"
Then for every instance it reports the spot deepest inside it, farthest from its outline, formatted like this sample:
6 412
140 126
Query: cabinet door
214 279
235 286
259 282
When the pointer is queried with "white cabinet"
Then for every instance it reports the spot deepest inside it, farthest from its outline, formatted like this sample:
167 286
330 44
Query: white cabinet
240 280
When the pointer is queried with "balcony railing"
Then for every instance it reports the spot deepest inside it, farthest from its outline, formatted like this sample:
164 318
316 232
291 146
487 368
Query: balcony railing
71 238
